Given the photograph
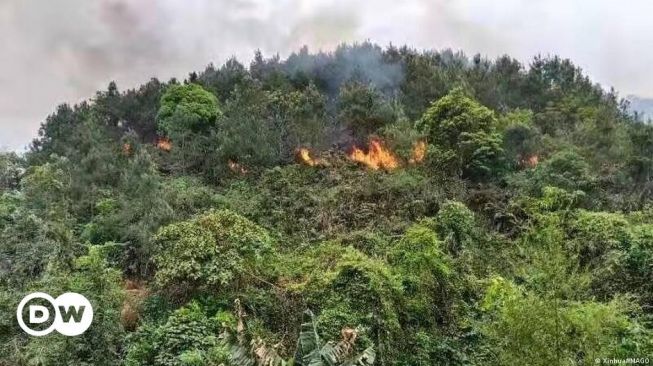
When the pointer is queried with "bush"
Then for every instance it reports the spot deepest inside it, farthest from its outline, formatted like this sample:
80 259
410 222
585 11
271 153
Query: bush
456 225
596 233
101 343
464 130
218 249
565 169
180 341
522 325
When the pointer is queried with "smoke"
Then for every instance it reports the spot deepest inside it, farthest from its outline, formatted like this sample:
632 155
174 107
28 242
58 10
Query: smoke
363 63
64 50
90 42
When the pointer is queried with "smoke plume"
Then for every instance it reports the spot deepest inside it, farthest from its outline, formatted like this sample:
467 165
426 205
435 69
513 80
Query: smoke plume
64 50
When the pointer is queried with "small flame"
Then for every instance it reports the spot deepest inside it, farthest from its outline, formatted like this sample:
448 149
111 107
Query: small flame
164 143
531 161
303 156
419 152
127 149
376 157
237 168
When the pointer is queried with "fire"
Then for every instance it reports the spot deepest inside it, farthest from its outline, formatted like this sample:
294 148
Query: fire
303 156
164 143
127 149
376 157
237 168
531 161
419 152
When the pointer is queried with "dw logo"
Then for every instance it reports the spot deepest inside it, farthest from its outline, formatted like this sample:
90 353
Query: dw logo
69 314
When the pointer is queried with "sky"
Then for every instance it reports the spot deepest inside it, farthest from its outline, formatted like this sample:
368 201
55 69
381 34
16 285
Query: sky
64 50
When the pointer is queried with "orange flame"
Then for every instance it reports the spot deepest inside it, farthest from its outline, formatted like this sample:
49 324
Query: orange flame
377 156
303 156
419 152
127 149
531 161
164 143
237 168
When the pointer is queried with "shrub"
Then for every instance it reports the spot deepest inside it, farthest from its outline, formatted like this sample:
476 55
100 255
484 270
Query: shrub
216 249
463 129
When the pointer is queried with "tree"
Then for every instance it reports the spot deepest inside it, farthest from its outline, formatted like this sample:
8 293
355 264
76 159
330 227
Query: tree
11 169
37 227
516 228
522 141
301 118
223 81
463 131
187 108
456 226
364 110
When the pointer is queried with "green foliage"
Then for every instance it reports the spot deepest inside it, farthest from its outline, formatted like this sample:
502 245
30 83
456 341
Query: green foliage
311 204
565 169
11 168
300 119
549 331
364 110
311 350
101 343
625 265
186 108
420 250
455 223
597 233
464 132
350 289
36 227
523 237
9 203
187 196
46 188
427 275
248 134
218 248
181 340
517 117
262 128
521 139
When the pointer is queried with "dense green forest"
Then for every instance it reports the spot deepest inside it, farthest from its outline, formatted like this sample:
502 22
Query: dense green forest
366 206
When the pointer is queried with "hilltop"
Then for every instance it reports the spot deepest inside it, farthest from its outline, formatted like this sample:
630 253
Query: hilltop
413 208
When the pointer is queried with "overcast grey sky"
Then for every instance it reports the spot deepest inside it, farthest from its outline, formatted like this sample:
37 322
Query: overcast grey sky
56 51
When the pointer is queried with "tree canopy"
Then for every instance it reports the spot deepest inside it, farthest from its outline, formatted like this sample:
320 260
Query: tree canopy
187 108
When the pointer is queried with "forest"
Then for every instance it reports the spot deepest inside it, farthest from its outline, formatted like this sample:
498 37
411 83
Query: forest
366 206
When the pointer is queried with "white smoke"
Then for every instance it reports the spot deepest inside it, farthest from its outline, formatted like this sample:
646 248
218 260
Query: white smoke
64 50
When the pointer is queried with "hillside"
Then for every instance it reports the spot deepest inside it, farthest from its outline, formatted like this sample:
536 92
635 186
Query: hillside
365 206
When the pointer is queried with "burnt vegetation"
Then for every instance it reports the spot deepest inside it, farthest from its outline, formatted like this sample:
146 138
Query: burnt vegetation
367 206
